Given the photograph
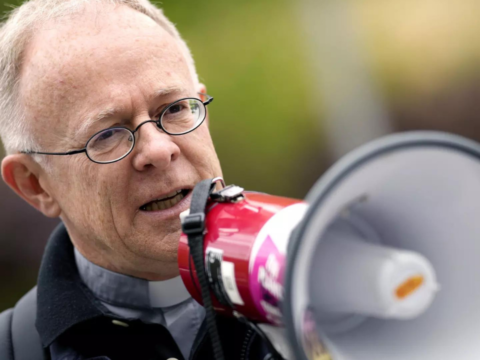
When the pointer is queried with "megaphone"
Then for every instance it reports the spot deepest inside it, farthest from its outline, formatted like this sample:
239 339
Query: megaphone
379 262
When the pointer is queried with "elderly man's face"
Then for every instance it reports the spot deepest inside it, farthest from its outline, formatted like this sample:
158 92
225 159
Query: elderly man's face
120 66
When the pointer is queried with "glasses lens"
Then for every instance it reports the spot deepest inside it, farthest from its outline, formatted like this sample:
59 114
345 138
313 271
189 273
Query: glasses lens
110 145
183 116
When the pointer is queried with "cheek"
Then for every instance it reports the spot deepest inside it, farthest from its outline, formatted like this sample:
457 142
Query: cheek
85 193
203 152
198 146
106 188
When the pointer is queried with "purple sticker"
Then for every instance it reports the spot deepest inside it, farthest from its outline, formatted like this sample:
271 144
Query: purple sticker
266 280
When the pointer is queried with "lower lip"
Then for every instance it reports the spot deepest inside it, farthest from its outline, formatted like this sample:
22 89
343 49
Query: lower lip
172 212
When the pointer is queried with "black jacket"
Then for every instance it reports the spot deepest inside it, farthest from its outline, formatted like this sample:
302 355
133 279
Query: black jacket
74 325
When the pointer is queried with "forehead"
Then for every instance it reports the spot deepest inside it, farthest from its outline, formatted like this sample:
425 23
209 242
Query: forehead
95 60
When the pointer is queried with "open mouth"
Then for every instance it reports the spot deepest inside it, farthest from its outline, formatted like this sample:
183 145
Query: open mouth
166 202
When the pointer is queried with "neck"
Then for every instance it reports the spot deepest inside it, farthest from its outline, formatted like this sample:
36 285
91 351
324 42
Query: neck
149 270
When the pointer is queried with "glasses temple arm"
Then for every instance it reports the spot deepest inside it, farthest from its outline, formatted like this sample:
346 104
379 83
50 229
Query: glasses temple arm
73 152
209 99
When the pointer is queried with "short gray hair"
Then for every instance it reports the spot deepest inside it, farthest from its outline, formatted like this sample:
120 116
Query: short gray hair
15 34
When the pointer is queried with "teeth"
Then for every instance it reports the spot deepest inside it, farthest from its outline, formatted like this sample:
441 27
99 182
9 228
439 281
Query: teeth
173 193
165 204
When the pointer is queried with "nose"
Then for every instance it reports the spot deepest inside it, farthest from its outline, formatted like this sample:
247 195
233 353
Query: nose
153 148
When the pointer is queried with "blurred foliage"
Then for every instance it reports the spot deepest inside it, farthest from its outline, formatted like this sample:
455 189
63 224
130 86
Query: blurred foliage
251 56
419 47
15 282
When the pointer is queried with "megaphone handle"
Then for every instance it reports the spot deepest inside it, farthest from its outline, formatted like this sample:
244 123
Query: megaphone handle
274 354
193 225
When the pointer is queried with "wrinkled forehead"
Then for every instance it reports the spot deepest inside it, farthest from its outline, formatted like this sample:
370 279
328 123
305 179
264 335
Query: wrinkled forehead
94 60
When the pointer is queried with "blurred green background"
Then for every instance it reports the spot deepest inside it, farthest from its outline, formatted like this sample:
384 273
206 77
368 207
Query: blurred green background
297 84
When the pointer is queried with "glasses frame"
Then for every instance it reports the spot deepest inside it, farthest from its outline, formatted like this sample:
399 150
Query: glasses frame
157 122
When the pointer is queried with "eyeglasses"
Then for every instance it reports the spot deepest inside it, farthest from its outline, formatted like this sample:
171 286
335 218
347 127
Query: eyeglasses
113 144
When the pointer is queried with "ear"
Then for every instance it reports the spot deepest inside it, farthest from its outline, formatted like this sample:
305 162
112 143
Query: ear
202 89
25 176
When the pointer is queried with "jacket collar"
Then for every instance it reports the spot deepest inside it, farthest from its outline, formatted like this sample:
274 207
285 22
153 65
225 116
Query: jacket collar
62 299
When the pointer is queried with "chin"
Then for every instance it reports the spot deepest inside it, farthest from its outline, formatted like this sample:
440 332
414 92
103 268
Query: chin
164 248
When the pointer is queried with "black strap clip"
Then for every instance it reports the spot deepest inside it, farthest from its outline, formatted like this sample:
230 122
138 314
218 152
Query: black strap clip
230 193
193 224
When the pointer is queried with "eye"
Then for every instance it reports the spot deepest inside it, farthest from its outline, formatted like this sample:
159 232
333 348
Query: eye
105 135
176 108
182 116
109 137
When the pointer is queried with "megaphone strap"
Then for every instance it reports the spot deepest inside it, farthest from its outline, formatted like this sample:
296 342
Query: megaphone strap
193 225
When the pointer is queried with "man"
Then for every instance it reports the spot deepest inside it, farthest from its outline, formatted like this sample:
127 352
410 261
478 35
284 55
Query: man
104 122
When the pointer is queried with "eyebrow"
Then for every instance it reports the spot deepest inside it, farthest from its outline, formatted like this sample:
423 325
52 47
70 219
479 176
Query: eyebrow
89 122
112 111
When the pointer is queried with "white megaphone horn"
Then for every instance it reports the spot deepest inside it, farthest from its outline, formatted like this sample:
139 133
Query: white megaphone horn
415 192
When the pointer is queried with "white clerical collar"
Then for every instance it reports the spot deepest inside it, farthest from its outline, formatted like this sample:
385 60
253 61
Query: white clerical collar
123 290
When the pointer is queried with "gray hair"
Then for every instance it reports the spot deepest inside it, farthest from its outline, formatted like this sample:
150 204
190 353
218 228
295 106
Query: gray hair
15 34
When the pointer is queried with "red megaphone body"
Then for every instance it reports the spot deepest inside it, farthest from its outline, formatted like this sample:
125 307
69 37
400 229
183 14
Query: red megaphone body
245 254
